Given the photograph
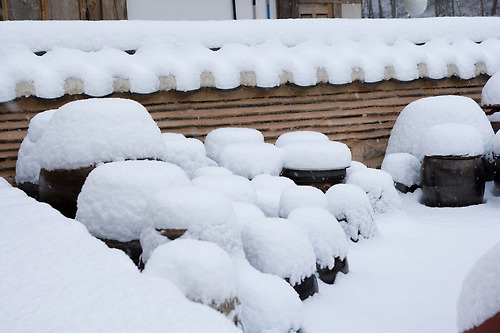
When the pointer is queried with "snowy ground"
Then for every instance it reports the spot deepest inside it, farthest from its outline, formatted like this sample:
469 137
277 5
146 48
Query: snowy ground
407 279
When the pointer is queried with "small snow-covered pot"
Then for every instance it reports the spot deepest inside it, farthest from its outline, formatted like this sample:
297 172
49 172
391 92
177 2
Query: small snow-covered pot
404 169
60 188
276 246
328 275
321 164
327 238
452 170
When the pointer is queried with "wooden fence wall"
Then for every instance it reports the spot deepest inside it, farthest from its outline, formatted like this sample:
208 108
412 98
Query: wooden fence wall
63 10
358 114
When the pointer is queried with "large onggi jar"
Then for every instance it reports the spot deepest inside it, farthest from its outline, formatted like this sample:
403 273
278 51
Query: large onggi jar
85 133
452 169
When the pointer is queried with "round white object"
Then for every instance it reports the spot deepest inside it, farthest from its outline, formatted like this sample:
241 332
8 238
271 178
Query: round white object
415 7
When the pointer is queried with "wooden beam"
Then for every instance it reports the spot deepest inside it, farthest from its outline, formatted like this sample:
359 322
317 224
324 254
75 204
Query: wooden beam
5 10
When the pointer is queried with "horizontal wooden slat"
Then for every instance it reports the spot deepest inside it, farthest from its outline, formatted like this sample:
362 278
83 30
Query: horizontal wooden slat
360 115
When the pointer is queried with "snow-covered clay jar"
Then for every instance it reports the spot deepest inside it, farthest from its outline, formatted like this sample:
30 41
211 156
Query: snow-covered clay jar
404 169
114 196
328 240
276 246
452 169
250 159
218 138
379 186
351 207
321 164
478 306
85 133
201 270
490 100
176 212
418 116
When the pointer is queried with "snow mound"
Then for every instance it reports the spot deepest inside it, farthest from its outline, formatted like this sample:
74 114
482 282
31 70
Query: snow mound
250 159
324 232
351 207
211 171
355 166
268 189
4 183
275 246
218 138
379 186
404 168
268 303
113 198
246 213
201 270
87 132
316 155
58 278
188 153
172 136
452 139
479 298
205 214
299 136
28 156
421 114
491 91
300 196
236 187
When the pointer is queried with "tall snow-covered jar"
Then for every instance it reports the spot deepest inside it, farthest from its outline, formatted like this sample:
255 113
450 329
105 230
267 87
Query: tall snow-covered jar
85 133
452 170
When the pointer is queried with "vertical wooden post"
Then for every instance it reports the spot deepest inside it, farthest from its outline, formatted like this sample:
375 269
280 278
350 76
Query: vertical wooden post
5 10
44 7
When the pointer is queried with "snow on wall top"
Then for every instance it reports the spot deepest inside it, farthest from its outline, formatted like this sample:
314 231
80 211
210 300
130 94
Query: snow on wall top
51 58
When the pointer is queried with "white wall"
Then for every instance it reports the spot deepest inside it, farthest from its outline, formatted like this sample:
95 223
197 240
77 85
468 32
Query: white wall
196 10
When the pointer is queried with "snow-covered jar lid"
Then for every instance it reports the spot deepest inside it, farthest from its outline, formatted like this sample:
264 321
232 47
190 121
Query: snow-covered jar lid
403 167
299 136
351 206
418 116
87 132
276 246
218 138
325 233
452 139
114 196
250 159
203 271
316 155
188 153
300 196
186 206
490 96
237 188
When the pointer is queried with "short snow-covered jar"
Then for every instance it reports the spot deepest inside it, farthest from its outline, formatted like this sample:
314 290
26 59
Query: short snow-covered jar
113 198
276 246
452 169
202 270
327 238
321 164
